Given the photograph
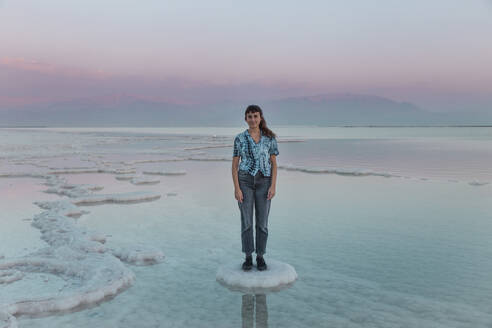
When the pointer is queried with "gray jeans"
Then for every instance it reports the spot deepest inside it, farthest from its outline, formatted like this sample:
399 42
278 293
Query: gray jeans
255 192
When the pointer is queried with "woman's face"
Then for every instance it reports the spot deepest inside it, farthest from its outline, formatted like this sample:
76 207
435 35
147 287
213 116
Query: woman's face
253 119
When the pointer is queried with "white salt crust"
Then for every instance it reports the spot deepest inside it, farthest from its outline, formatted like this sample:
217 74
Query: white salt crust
339 171
92 270
139 256
9 276
126 176
126 172
128 197
277 276
162 172
7 320
94 170
478 183
140 180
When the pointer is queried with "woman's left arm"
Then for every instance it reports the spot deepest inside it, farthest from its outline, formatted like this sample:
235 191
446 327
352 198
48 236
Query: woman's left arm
273 186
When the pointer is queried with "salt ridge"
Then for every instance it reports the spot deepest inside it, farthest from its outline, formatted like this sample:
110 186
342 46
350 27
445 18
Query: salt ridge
127 197
141 180
92 269
162 172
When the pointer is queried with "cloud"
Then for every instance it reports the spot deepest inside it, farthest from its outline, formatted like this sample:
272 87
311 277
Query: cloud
33 65
30 82
21 101
26 82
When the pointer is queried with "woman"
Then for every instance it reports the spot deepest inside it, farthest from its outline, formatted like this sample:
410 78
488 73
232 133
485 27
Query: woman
255 180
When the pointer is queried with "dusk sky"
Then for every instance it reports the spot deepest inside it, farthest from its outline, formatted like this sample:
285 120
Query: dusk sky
435 53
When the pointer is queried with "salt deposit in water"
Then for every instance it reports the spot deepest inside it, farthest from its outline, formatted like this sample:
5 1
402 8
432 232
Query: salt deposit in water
139 255
164 172
73 190
7 320
94 170
122 198
477 183
140 180
277 276
90 270
62 207
124 177
9 276
90 277
339 171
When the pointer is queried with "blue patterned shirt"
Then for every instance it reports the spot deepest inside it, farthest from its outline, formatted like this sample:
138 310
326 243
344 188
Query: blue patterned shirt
255 156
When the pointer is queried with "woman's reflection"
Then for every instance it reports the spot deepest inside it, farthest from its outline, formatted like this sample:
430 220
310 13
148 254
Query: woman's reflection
248 308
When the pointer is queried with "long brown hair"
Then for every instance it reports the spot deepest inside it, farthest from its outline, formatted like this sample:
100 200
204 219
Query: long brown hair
263 124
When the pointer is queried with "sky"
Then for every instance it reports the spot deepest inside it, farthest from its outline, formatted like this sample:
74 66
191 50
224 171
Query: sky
434 53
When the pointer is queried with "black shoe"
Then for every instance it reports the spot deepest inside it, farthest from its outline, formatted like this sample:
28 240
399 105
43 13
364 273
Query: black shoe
260 263
248 263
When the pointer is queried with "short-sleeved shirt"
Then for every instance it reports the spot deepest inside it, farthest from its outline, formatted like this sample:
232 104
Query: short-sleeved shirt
255 156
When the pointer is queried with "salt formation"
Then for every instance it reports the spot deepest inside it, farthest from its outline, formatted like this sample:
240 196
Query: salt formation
22 175
278 275
9 276
90 270
62 207
71 190
144 181
139 256
94 170
477 183
58 230
206 147
127 176
207 158
145 161
339 171
161 172
53 180
60 187
90 277
128 197
7 320
100 238
75 255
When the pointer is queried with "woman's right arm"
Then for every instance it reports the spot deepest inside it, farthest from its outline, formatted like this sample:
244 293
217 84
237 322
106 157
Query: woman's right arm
237 190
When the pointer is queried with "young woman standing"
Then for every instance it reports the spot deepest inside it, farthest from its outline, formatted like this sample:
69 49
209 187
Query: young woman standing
255 180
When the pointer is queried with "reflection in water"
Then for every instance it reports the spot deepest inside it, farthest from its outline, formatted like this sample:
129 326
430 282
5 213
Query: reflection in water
248 310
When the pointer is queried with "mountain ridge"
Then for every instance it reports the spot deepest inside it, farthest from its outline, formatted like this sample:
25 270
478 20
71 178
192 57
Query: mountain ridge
324 109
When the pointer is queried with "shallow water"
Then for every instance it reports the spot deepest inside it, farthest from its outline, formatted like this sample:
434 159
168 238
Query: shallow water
369 251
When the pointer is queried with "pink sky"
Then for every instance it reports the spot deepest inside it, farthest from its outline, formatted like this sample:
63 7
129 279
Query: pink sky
437 55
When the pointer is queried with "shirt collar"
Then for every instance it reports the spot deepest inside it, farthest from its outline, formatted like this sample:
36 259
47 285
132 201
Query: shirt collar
253 140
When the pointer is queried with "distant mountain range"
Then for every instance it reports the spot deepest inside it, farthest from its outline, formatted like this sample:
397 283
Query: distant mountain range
322 110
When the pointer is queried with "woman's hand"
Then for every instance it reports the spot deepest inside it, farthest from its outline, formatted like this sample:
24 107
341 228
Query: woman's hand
271 192
239 195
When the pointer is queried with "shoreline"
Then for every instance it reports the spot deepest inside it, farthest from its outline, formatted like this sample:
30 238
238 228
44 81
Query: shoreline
192 126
